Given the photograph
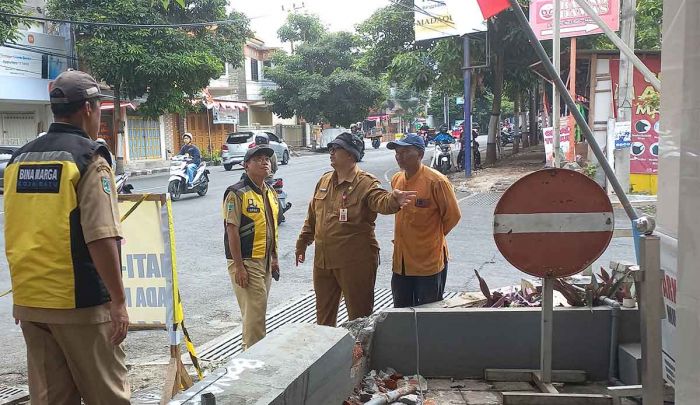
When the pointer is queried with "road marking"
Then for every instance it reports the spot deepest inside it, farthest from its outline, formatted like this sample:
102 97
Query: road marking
387 172
553 222
465 198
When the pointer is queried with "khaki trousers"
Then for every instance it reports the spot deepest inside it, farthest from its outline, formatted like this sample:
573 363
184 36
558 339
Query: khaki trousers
70 361
356 284
252 300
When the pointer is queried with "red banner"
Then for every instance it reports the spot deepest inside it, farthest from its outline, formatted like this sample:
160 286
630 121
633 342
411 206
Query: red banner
644 153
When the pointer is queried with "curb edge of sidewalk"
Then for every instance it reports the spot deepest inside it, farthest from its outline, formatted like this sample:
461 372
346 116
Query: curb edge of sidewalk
148 172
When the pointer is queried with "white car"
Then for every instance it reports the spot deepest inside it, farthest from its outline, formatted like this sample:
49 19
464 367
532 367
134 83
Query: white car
238 143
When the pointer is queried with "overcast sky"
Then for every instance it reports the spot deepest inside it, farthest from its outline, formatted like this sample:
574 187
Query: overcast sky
266 16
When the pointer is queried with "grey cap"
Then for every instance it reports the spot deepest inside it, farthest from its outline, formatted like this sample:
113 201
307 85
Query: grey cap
258 150
73 86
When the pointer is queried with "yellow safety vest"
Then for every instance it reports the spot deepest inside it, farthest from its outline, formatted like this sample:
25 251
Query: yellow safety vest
253 228
50 264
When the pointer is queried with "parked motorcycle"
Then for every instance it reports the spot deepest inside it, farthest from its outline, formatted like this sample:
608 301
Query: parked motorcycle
122 186
442 157
177 185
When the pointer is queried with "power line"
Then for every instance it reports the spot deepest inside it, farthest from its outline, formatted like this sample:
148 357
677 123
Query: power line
38 50
123 25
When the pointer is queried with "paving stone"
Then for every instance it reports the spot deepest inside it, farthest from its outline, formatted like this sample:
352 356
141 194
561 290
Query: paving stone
482 398
512 386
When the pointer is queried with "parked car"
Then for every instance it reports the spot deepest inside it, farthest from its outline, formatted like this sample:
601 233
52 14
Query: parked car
5 156
237 143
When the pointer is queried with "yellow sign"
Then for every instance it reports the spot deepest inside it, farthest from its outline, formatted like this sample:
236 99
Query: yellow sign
147 261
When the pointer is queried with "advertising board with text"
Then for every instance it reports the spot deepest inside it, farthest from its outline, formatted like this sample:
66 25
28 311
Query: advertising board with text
574 21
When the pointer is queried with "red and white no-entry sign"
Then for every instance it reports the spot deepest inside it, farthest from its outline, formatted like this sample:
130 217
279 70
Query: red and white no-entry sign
553 223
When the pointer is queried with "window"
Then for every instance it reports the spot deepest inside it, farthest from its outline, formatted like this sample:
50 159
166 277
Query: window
254 72
273 137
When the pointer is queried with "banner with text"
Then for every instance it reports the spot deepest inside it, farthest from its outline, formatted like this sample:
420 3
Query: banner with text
564 142
147 270
644 153
574 21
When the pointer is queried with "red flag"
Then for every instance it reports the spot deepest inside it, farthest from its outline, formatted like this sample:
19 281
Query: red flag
490 8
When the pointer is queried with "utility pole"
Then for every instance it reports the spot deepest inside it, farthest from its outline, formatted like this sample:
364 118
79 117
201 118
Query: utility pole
625 92
556 56
467 75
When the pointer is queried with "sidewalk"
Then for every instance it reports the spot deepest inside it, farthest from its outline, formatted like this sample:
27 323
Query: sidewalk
506 171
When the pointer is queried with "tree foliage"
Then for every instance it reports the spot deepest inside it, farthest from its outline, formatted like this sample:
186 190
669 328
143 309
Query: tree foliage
387 33
169 66
319 83
9 25
301 28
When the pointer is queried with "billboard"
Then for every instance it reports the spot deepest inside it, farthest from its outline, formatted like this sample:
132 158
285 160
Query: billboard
574 21
34 55
439 19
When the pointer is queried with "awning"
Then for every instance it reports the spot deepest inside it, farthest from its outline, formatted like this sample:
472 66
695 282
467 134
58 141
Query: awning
109 105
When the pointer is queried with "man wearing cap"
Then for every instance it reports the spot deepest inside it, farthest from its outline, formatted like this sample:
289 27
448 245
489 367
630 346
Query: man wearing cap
62 236
340 221
420 249
192 151
250 211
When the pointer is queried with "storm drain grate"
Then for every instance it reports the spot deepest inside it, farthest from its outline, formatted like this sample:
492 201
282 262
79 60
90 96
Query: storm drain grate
12 395
300 311
483 199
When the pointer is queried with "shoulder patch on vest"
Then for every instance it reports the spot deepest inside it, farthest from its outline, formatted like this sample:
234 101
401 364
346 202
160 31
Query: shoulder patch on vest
39 178
106 187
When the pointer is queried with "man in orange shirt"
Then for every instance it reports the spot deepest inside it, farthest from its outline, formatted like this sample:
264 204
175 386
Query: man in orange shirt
420 248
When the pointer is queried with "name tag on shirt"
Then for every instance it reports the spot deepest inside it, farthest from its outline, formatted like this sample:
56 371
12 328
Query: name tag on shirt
422 202
44 178
343 215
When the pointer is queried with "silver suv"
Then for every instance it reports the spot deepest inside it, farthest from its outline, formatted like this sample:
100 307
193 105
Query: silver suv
237 143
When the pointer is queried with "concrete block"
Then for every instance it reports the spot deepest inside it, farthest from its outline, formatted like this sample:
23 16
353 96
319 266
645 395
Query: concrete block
513 386
296 364
482 398
443 384
463 342
630 363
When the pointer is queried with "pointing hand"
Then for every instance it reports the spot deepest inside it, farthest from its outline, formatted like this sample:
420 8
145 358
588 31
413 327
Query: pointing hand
404 197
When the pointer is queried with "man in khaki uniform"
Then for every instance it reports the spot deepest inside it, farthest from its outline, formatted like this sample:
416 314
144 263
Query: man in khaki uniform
340 221
62 236
251 210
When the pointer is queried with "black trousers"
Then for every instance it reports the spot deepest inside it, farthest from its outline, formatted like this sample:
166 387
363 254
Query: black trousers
411 291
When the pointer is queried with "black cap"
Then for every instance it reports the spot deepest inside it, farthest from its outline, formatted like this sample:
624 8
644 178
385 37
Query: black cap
258 150
350 143
73 86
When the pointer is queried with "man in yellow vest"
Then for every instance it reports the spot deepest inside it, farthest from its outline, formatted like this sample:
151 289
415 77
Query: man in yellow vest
251 210
62 238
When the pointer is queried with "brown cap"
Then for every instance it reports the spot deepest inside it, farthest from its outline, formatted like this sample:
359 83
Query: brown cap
72 86
258 150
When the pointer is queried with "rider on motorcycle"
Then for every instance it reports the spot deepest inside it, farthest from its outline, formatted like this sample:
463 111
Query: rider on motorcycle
193 152
444 136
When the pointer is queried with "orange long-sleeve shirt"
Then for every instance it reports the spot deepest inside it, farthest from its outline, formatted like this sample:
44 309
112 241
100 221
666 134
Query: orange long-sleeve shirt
420 228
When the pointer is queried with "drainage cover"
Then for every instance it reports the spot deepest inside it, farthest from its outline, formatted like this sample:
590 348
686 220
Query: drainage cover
300 311
12 395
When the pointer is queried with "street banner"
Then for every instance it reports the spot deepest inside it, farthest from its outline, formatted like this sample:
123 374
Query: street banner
439 19
147 261
564 142
574 22
644 153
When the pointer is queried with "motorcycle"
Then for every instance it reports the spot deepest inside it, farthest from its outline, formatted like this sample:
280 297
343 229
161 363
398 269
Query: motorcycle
506 137
376 142
177 184
122 186
442 157
278 185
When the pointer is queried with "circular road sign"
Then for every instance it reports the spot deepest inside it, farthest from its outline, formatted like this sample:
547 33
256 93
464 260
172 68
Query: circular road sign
553 223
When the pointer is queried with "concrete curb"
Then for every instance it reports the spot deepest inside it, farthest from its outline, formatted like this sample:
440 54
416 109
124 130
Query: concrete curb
148 172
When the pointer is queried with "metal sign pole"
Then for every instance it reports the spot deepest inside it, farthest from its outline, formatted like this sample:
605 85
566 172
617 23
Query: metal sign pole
546 338
556 109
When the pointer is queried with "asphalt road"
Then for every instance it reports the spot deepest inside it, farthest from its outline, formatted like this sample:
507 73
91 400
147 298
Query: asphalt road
210 306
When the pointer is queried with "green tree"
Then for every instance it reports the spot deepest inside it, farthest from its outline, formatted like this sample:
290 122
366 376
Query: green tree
318 82
300 28
168 66
648 24
385 34
9 25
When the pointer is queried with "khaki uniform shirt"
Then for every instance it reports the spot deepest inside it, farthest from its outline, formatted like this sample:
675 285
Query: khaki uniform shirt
233 207
343 243
99 219
420 247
